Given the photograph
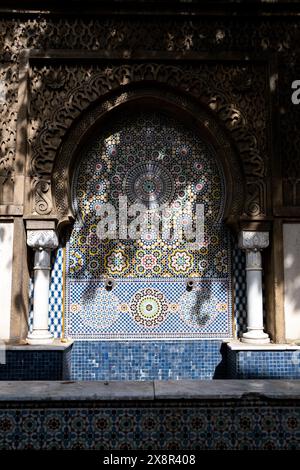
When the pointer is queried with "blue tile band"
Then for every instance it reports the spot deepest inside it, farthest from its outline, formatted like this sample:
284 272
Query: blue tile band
138 360
36 365
263 364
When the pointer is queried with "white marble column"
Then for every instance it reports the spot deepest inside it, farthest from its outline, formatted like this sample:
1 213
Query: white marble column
253 242
42 241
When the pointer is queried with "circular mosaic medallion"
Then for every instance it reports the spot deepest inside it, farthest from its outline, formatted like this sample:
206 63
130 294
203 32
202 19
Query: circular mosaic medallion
100 310
149 307
150 184
197 308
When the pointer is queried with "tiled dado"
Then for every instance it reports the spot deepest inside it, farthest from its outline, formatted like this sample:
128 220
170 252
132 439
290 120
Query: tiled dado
25 362
215 415
272 362
116 360
138 360
187 427
150 360
178 360
56 292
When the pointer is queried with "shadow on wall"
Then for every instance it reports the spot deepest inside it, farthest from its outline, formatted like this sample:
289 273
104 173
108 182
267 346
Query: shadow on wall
221 371
291 238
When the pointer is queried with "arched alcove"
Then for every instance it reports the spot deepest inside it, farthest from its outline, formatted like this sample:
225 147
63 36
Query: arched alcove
181 106
130 145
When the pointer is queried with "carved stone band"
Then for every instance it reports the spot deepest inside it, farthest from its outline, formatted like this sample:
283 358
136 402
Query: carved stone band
42 239
253 240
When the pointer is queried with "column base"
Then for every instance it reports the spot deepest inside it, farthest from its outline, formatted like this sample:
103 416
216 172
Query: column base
39 337
255 337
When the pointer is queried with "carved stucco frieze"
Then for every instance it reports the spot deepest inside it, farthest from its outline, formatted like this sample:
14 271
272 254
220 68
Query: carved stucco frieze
7 160
73 89
8 119
61 174
42 195
177 35
163 33
42 239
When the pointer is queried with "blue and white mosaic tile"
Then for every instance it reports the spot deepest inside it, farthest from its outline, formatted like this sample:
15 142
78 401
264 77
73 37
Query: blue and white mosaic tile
152 160
184 425
239 290
55 295
264 364
138 360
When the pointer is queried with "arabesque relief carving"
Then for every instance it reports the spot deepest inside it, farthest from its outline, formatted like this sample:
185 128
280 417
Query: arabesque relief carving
60 95
8 119
162 33
61 176
237 92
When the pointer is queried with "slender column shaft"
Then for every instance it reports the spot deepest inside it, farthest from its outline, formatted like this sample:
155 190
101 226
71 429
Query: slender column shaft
254 301
41 290
42 243
253 243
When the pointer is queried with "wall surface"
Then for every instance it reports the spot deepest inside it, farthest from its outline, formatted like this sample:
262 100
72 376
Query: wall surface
6 255
57 64
291 242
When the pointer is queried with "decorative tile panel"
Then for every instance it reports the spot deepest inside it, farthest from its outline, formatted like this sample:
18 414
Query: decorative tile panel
263 364
55 295
36 365
145 360
187 425
240 290
154 160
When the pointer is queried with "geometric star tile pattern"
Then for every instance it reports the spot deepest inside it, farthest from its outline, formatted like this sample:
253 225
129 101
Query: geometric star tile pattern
153 160
56 286
149 300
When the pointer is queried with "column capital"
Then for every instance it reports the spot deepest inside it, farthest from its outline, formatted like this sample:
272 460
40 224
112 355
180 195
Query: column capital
251 240
42 239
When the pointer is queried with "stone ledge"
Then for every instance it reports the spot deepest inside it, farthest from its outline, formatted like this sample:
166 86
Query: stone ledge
227 389
75 391
57 345
48 391
239 346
